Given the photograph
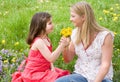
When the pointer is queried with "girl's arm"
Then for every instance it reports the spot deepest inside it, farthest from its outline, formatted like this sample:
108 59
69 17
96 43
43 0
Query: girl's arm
69 52
50 56
107 51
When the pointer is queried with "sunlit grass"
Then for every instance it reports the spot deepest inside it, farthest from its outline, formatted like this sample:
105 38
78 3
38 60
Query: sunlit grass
15 16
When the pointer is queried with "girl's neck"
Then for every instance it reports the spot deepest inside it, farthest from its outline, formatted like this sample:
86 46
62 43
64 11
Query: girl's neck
44 36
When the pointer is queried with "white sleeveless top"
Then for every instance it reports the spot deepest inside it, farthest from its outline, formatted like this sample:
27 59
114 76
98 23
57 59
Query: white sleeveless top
89 61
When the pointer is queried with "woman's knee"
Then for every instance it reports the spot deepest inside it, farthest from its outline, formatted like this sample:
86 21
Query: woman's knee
107 80
72 78
62 79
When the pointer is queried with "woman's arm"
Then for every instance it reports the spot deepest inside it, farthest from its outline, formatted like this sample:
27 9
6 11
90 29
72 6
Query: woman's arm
69 53
107 51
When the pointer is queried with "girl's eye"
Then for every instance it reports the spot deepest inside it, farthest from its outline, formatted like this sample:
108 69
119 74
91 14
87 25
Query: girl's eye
50 22
72 16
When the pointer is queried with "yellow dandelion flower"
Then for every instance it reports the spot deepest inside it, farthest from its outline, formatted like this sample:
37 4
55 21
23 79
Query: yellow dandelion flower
106 11
111 8
61 7
0 13
115 18
13 60
118 49
21 50
117 4
113 46
115 33
118 15
66 32
5 13
118 7
37 7
114 14
62 59
16 44
100 18
5 61
3 41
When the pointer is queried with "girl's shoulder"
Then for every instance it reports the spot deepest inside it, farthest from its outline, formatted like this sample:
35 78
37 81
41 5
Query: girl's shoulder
36 42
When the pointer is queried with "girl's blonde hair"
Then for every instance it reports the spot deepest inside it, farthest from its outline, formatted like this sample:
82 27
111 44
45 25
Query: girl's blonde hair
89 26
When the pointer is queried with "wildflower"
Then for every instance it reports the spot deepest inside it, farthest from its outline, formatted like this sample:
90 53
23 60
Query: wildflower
118 7
13 60
66 32
62 58
117 4
115 33
6 12
37 7
0 64
115 18
3 41
16 44
114 14
118 49
118 15
106 11
5 61
111 8
100 18
3 51
21 50
0 13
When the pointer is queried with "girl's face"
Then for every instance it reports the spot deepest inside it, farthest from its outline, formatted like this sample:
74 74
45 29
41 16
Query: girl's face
76 19
49 26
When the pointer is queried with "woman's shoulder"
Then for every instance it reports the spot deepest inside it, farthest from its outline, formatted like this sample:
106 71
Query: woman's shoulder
74 30
104 33
73 34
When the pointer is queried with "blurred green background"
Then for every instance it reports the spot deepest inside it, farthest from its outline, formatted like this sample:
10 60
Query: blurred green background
15 17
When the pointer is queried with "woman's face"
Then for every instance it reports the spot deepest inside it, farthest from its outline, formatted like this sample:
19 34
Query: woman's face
49 26
76 19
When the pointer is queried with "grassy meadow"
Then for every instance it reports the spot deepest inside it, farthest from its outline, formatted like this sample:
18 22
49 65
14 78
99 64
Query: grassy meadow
15 17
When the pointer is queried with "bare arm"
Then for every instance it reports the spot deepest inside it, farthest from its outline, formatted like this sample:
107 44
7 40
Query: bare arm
69 52
50 56
107 50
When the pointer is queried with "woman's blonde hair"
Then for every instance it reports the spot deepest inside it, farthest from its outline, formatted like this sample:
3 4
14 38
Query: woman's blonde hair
89 26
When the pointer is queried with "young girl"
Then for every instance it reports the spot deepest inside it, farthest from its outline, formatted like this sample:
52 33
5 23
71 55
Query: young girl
92 43
39 66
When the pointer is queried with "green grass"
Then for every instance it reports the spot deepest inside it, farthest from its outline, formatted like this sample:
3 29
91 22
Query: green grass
15 17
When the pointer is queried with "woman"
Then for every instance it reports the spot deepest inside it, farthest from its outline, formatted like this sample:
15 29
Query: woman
92 43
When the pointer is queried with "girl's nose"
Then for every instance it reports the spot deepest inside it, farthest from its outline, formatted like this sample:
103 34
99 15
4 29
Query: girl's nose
70 19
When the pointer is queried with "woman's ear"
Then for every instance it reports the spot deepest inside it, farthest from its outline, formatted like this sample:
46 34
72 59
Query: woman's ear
83 17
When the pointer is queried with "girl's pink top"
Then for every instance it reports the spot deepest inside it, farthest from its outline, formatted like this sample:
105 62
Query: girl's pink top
38 69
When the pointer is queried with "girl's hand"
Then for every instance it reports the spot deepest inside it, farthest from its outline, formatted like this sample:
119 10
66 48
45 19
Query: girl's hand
64 41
